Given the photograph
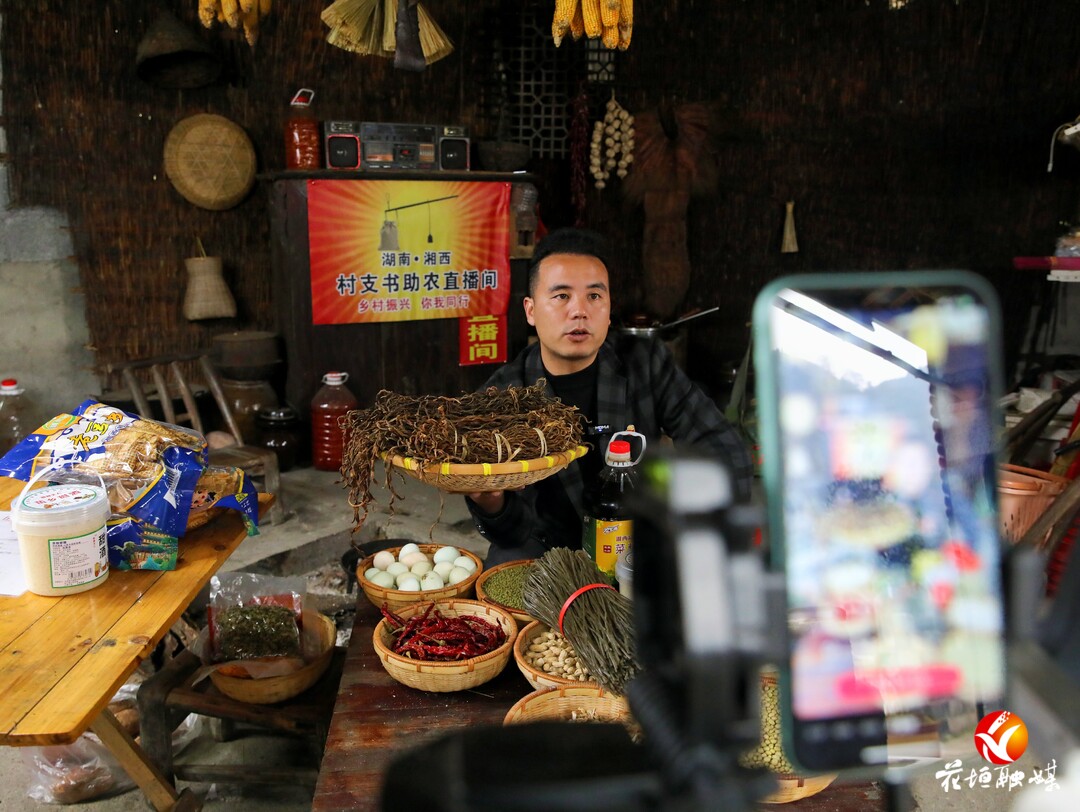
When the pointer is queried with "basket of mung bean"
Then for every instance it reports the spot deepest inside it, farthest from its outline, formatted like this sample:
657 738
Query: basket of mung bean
502 586
546 658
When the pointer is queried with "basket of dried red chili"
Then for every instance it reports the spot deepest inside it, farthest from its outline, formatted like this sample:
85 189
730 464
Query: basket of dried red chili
448 645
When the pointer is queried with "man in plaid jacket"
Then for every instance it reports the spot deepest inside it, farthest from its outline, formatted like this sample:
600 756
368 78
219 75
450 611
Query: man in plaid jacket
614 384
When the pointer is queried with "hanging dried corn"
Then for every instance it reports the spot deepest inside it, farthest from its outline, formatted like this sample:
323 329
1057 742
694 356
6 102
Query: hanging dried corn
610 21
237 14
612 146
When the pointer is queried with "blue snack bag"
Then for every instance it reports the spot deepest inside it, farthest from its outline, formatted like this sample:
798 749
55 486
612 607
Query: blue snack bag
149 468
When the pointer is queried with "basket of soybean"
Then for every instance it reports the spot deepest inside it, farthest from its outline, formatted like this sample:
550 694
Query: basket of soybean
769 752
502 586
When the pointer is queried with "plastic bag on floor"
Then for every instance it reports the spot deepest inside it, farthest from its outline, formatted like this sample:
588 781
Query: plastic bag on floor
85 769
72 773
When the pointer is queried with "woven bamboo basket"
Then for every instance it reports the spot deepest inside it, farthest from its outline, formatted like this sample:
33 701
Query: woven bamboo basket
520 615
1024 494
537 677
396 599
792 787
451 675
570 703
210 160
454 477
285 686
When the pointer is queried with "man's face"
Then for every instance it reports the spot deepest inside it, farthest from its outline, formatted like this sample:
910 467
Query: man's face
571 311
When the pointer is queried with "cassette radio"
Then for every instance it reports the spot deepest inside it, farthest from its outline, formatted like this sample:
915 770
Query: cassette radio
380 145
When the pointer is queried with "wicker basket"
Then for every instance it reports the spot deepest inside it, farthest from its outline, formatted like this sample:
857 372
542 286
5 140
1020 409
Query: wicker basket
285 686
396 599
451 675
520 615
797 787
537 677
1024 495
210 160
561 704
792 787
476 477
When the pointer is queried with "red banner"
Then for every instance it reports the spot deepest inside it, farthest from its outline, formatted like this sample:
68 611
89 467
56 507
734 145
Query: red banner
401 250
482 340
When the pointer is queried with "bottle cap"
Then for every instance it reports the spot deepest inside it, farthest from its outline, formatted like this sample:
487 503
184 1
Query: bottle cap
619 447
10 386
335 378
303 98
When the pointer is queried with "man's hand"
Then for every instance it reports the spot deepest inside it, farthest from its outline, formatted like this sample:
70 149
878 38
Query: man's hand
489 502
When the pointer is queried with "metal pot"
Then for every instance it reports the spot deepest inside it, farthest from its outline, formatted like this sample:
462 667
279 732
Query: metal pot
658 330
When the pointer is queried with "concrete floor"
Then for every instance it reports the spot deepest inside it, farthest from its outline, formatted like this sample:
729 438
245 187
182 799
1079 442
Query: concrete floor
315 533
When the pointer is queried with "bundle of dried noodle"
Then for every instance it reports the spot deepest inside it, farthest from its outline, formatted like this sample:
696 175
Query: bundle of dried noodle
497 425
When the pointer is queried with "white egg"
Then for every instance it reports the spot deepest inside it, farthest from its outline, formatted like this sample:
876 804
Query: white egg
384 579
396 568
465 563
409 583
408 549
369 574
412 558
457 575
443 569
446 554
432 581
383 559
421 568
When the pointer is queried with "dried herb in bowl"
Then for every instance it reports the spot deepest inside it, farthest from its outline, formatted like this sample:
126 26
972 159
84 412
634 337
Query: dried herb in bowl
246 632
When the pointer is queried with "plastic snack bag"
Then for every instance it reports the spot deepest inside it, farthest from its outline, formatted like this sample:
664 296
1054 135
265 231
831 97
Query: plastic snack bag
149 468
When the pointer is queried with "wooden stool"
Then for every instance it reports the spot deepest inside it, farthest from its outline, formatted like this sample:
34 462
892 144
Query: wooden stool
167 698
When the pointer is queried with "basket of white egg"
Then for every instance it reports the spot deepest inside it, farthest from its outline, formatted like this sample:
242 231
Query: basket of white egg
412 573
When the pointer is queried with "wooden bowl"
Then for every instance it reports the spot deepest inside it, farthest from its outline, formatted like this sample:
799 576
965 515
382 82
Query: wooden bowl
538 678
397 599
285 686
520 615
563 704
442 676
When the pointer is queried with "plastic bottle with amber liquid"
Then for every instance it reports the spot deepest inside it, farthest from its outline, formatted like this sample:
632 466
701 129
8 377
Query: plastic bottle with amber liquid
303 139
332 402
608 530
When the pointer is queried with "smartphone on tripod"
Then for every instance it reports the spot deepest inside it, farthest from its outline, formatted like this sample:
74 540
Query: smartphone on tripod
877 397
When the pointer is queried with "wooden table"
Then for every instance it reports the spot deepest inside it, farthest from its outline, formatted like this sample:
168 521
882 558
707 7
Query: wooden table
63 659
376 719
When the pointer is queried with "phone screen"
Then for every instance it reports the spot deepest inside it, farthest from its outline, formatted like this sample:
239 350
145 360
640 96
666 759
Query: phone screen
878 398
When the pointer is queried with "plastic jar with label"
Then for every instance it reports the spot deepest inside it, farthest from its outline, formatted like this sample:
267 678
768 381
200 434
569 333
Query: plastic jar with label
62 538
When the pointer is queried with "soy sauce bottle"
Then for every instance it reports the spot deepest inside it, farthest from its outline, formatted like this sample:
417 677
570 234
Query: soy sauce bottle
608 530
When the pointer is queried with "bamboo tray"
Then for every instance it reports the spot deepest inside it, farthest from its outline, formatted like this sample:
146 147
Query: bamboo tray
453 477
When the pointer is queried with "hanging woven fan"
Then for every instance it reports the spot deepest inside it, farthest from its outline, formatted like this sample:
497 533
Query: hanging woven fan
369 27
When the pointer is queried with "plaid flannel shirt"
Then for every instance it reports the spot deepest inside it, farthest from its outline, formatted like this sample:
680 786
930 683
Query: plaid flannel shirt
639 383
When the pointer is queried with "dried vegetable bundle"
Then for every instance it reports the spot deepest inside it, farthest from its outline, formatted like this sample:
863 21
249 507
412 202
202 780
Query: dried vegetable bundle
494 426
370 27
597 620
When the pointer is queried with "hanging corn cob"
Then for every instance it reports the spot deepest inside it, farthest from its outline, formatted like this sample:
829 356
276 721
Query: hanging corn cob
236 14
611 21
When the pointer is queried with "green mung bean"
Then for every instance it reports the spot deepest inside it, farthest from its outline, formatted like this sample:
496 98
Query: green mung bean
506 586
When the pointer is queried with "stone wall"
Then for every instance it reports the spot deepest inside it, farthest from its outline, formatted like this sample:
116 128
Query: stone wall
43 334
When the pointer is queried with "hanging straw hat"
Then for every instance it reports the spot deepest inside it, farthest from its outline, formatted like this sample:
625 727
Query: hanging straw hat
174 56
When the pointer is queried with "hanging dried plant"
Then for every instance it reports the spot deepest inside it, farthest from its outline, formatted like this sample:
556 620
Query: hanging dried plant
497 425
